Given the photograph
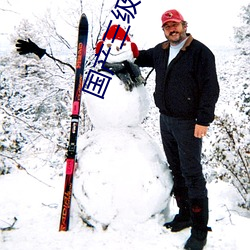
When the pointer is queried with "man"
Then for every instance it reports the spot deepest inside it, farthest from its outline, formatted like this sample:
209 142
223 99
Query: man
186 93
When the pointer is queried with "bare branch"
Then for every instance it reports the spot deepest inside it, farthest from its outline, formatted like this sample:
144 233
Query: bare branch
10 227
1 9
19 166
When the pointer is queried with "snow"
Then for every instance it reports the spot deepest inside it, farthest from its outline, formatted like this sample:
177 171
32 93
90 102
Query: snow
37 208
122 182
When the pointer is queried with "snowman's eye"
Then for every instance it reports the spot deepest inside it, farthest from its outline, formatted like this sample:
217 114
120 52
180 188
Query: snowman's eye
124 44
109 45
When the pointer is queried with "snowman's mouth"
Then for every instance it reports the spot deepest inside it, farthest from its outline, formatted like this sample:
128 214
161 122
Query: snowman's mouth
117 54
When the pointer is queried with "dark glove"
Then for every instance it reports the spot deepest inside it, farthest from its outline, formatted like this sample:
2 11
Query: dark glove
24 47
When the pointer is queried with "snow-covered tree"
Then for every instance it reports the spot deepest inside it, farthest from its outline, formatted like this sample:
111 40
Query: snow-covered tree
242 33
34 105
230 154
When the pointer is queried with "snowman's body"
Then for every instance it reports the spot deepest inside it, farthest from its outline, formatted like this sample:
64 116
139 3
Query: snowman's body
120 108
122 177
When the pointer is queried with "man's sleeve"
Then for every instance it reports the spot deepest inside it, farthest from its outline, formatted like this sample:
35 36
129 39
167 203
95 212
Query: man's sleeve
209 89
145 58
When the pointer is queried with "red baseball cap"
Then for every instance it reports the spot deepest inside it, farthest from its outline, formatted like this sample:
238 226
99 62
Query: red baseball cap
171 16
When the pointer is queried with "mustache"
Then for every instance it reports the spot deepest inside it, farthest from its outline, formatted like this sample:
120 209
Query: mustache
173 32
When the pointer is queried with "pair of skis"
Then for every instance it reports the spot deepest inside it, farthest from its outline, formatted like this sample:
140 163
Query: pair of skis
71 160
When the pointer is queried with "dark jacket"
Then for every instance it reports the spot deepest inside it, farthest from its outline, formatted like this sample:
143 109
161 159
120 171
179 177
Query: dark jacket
188 87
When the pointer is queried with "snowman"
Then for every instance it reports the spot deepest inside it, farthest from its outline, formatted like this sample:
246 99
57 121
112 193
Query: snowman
122 178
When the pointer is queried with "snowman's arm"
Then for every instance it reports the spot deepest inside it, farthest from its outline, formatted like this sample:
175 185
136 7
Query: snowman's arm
25 47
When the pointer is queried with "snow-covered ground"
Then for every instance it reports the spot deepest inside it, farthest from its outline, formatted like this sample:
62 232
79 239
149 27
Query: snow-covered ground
37 207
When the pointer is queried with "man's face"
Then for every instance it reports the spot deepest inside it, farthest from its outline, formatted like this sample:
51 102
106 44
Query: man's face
174 32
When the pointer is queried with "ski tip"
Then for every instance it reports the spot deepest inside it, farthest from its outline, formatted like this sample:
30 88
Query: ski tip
83 20
84 17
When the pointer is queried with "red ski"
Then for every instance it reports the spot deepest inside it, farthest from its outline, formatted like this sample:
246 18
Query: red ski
71 153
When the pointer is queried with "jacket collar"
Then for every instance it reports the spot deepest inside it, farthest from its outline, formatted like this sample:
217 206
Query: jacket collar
166 44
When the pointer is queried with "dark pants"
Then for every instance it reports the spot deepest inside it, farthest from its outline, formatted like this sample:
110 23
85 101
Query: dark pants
183 152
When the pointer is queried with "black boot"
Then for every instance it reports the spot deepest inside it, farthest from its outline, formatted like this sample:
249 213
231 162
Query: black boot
182 220
199 215
197 240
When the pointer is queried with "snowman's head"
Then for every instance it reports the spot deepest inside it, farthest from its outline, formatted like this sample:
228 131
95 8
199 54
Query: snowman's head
120 49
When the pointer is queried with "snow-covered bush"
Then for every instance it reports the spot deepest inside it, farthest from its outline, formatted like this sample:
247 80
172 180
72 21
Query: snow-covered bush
231 153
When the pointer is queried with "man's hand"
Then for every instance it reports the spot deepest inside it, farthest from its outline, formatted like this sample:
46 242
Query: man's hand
200 131
24 47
